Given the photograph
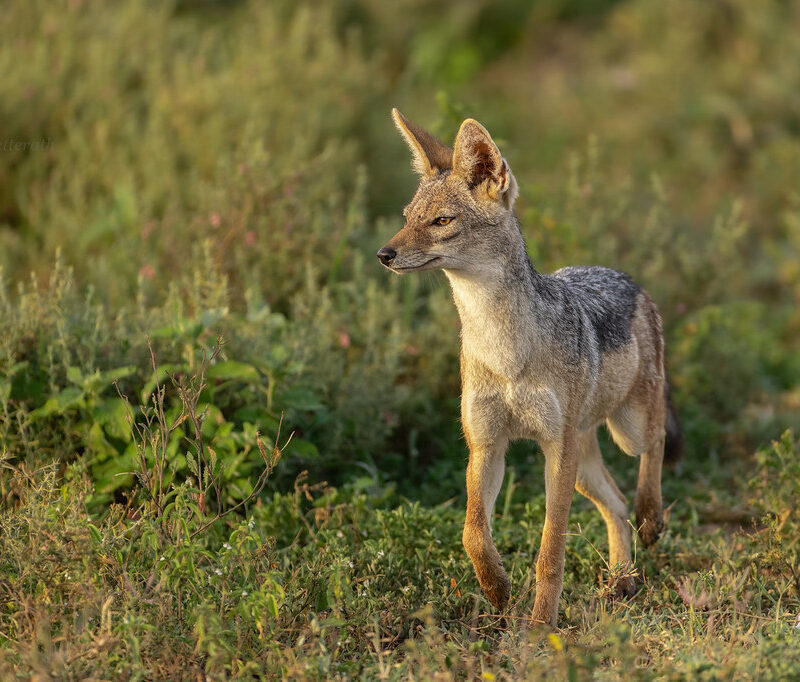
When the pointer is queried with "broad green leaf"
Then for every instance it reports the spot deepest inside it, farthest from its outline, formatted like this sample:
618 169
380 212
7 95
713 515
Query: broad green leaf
97 441
95 533
110 376
71 396
272 605
299 398
191 462
75 375
231 369
112 414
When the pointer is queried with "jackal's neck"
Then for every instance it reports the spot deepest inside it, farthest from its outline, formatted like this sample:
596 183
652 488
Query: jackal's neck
507 286
496 305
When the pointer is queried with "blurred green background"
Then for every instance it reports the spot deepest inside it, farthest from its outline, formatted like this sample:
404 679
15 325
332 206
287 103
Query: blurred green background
230 168
177 172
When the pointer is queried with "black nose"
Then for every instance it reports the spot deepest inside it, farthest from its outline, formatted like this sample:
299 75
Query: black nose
386 255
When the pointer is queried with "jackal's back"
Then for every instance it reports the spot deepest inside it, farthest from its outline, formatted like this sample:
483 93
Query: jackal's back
591 309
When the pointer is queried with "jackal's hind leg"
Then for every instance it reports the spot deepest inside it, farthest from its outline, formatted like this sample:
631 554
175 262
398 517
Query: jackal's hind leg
638 428
596 484
484 479
648 504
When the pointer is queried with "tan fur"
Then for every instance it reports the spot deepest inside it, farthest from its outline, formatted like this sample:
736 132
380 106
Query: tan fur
516 380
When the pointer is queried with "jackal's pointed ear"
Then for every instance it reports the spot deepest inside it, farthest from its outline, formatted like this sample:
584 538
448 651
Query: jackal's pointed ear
477 159
430 156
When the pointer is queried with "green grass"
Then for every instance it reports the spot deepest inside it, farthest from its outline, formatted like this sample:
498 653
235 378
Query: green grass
324 582
187 279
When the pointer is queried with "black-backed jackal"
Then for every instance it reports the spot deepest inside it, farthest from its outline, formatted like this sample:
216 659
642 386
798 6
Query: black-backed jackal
547 357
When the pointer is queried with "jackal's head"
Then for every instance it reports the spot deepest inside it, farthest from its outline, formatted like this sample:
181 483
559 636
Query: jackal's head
461 216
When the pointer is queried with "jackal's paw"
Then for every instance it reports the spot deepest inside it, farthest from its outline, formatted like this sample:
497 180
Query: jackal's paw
623 587
544 615
650 524
497 591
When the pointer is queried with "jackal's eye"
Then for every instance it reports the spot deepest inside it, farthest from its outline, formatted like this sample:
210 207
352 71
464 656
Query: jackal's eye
442 220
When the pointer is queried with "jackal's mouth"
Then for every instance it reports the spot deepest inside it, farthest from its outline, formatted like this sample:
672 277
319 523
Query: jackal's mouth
410 268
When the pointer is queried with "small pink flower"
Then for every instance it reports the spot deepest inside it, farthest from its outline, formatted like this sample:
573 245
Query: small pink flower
412 350
215 219
147 271
242 168
344 339
250 238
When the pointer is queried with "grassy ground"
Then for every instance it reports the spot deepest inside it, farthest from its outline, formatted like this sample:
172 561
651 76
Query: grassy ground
324 582
230 442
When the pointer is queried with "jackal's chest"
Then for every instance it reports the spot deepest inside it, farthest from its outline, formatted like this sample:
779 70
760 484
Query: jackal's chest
534 410
493 352
522 408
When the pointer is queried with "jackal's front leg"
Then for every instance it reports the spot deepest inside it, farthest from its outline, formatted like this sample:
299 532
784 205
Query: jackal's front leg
484 478
561 466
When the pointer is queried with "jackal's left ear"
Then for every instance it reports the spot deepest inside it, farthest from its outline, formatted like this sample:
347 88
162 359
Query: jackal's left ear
478 160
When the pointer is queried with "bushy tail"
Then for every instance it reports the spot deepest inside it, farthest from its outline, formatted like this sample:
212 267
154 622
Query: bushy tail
673 442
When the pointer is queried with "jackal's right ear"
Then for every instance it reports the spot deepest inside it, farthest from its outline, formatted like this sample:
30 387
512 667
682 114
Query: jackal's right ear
430 155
